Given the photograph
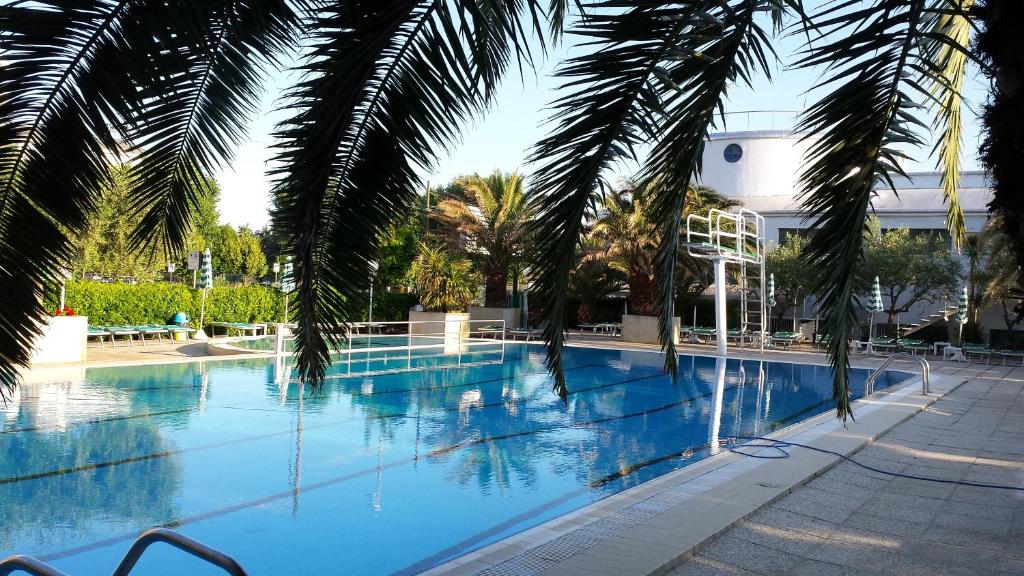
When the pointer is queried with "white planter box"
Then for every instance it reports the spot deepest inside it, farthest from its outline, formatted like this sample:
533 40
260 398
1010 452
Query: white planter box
509 315
451 328
62 340
644 329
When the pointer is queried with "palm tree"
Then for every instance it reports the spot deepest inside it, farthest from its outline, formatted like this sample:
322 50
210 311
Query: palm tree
630 242
592 279
493 219
631 239
386 85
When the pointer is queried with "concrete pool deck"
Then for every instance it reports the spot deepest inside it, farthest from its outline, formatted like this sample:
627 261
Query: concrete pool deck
811 513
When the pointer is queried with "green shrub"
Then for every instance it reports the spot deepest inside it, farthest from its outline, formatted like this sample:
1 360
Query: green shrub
157 303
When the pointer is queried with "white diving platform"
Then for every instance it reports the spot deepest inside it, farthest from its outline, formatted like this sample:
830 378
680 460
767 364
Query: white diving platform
735 238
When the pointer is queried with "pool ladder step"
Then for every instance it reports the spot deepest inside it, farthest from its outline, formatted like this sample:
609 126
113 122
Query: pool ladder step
35 567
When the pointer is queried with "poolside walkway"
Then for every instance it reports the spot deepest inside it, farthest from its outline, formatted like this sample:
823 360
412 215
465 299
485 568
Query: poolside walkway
854 521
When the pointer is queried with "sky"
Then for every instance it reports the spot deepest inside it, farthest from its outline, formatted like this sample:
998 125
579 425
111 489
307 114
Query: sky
502 138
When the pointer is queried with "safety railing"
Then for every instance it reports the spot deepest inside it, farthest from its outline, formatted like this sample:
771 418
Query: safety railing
926 371
413 341
141 544
29 565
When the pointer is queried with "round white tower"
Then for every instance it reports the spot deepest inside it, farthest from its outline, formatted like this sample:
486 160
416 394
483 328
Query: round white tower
747 164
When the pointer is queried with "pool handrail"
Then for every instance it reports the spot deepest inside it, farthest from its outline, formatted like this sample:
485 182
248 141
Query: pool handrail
869 384
20 563
181 542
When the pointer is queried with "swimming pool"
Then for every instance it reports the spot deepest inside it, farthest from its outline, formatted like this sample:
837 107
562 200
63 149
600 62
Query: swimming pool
373 475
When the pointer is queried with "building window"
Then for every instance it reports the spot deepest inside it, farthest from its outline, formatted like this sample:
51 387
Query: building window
733 153
802 232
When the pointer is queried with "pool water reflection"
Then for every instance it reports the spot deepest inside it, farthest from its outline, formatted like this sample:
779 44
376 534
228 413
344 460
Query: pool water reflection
370 475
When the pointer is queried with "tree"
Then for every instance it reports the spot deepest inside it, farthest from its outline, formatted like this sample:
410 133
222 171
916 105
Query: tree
910 268
226 250
793 279
490 226
629 239
387 85
592 279
252 262
398 249
999 274
445 283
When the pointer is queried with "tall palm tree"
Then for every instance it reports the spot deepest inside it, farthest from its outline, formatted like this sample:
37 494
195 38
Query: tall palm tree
384 87
493 218
630 243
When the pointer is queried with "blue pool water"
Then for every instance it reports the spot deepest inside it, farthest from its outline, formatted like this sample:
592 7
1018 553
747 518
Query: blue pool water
371 475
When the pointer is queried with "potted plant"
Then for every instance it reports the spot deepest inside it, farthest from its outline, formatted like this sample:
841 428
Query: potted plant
446 285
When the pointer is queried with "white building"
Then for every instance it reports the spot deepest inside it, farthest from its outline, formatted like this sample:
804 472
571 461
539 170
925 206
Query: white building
761 169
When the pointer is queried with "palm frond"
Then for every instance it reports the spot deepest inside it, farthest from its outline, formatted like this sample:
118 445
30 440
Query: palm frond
728 46
386 87
877 71
946 45
647 61
56 98
210 74
608 110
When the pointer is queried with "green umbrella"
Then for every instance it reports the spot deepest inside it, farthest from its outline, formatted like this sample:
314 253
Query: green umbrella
205 283
874 305
771 291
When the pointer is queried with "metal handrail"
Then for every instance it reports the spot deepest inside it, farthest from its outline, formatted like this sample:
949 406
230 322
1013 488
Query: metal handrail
926 372
181 542
13 564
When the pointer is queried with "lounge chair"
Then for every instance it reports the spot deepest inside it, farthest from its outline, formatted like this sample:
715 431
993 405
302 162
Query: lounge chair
588 326
494 330
787 339
151 330
100 332
883 345
705 335
527 333
1014 354
822 340
976 350
914 346
127 331
737 335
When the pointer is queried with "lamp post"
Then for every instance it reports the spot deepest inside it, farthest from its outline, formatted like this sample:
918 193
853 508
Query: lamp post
170 271
277 268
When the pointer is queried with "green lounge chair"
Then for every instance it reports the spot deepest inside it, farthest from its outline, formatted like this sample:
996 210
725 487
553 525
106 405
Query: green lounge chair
978 350
1014 354
914 346
786 339
884 345
100 332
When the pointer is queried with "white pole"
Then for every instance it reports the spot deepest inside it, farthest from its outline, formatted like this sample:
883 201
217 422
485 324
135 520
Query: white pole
720 320
62 292
202 312
370 316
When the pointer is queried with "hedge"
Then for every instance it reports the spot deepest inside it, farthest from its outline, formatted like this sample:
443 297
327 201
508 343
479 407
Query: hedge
158 302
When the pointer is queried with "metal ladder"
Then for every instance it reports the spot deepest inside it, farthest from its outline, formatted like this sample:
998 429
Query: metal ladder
35 567
926 372
752 303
